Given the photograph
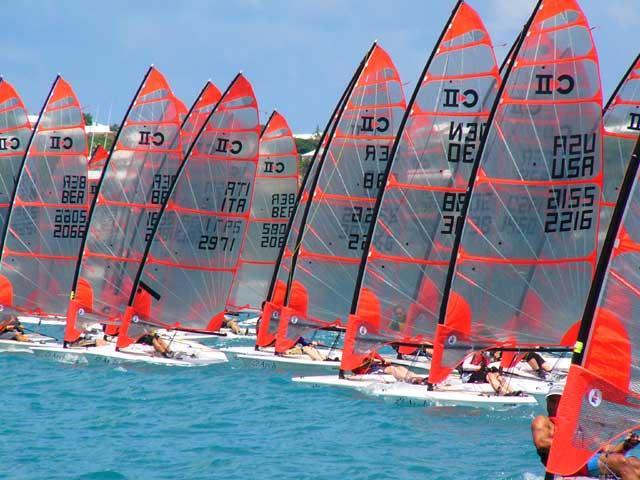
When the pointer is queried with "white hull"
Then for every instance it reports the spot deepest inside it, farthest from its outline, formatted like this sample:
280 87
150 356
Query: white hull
355 382
229 335
193 356
453 396
268 355
42 321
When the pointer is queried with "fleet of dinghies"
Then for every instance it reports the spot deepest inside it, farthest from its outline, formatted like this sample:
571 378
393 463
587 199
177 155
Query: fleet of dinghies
484 225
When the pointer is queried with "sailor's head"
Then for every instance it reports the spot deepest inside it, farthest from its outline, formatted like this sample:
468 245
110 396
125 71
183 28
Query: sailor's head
553 398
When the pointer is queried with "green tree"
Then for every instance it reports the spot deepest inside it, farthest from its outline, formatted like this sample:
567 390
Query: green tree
88 118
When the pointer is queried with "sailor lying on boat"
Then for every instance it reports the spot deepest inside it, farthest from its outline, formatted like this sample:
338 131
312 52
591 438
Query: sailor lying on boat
12 329
612 459
475 369
376 364
159 345
539 365
232 325
307 348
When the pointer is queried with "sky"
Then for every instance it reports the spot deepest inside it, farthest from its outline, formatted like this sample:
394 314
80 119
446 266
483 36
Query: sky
298 54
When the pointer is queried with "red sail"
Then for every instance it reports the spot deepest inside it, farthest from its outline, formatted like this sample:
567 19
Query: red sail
524 260
405 267
274 197
337 218
136 181
48 216
190 263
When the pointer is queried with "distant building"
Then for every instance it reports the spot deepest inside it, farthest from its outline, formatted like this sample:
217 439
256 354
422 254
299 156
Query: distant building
95 128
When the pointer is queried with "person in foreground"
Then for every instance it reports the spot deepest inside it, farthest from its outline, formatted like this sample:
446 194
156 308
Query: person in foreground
374 363
611 459
12 329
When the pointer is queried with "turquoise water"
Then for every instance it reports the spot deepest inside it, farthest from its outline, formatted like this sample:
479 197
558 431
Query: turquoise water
103 421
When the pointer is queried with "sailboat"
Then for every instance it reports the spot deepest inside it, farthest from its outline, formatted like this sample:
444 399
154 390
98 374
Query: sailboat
336 218
524 258
47 214
190 262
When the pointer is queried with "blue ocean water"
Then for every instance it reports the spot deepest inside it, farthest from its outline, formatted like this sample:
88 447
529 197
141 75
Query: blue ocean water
111 422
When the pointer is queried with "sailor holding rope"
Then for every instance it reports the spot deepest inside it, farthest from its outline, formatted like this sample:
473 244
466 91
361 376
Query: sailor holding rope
610 460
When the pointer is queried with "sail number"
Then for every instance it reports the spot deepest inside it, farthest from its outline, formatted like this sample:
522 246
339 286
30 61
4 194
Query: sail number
355 224
223 236
273 235
452 204
68 223
282 204
74 188
161 187
570 208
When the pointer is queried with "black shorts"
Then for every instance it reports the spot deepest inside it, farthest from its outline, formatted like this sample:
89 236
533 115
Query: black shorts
147 339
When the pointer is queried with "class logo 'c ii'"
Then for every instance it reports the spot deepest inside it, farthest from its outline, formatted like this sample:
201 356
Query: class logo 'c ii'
595 397
275 315
12 143
363 330
452 340
56 142
370 123
225 145
564 84
294 320
147 138
454 98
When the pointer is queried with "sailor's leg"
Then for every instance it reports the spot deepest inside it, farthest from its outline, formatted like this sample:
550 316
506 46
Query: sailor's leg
313 353
626 468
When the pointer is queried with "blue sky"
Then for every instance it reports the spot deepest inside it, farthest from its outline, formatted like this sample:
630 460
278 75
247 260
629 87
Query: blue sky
298 54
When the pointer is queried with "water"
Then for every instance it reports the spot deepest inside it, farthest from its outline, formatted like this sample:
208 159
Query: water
104 421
